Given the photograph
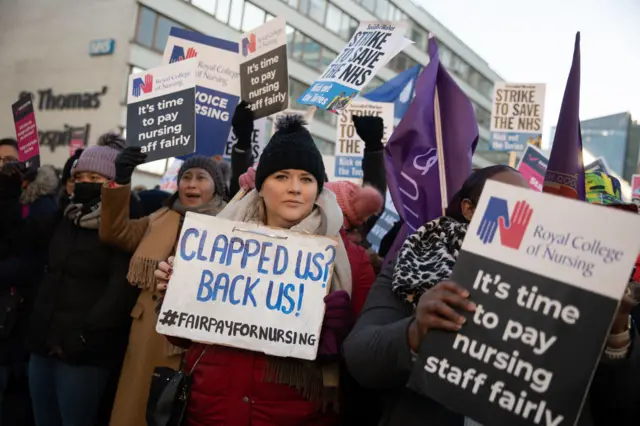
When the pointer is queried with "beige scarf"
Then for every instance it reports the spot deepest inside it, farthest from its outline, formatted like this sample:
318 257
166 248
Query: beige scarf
318 383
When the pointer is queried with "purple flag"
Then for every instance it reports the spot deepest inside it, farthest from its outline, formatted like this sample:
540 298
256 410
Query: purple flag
411 153
565 173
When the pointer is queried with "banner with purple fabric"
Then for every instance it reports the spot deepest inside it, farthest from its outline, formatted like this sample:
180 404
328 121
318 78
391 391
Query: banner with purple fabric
411 153
565 173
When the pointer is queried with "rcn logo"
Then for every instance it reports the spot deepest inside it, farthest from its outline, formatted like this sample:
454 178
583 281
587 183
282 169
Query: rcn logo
249 45
177 54
140 86
512 226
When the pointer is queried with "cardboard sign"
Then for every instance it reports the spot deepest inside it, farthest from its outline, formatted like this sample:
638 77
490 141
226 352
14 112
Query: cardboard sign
264 75
371 47
547 275
635 189
24 119
516 116
533 166
217 84
161 110
257 141
598 166
349 147
248 286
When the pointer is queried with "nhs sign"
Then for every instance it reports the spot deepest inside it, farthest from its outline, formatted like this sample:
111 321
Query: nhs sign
102 47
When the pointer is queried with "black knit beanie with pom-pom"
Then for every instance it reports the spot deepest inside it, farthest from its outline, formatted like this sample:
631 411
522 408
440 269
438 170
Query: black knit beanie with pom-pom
291 147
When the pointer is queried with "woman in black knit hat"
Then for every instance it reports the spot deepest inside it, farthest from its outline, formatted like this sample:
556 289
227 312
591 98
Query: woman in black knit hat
151 239
278 391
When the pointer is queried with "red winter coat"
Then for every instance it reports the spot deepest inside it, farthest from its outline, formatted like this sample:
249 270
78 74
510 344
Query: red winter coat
228 390
362 275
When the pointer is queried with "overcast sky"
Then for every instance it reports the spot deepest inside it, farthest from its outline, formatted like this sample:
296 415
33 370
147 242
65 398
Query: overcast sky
533 42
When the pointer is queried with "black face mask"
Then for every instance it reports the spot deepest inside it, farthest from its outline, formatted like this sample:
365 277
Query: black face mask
86 192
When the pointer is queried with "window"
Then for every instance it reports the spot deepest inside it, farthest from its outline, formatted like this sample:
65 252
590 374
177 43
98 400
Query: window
486 87
382 6
222 10
370 5
311 53
235 15
317 9
208 6
146 26
253 17
308 51
419 35
376 82
153 29
401 62
324 146
482 115
333 19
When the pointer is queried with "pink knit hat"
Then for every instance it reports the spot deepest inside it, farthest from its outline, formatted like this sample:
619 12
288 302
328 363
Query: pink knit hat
101 158
357 203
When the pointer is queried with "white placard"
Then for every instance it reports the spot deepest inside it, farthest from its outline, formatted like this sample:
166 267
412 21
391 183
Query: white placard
248 286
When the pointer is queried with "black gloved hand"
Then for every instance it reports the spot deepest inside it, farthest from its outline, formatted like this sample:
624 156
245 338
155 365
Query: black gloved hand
242 123
371 130
126 162
11 176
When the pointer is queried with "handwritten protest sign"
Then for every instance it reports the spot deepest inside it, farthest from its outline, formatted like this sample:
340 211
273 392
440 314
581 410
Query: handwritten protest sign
264 75
635 189
547 284
257 141
169 181
370 48
248 286
599 165
161 110
533 166
516 116
349 147
24 119
217 84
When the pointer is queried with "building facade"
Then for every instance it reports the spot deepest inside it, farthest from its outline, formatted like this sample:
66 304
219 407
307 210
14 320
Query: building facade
66 48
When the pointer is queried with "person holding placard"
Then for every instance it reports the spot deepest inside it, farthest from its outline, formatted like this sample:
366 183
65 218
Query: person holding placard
151 239
80 319
414 295
233 386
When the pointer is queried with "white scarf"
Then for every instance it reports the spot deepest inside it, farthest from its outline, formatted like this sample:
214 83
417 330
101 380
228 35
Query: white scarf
326 219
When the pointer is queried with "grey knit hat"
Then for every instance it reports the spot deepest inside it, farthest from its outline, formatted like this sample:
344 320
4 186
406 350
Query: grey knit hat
206 164
101 158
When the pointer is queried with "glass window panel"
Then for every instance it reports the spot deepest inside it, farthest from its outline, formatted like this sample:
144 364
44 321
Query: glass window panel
353 26
146 25
317 9
297 45
235 15
162 32
269 17
222 10
370 5
446 57
345 25
303 6
324 116
292 3
311 53
382 6
253 17
333 19
208 6
327 56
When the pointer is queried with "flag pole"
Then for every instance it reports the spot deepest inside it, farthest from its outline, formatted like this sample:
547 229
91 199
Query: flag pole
444 197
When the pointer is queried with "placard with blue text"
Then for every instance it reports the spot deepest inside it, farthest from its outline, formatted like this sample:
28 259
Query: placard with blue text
547 275
257 141
349 147
371 47
264 73
217 84
516 116
248 286
161 110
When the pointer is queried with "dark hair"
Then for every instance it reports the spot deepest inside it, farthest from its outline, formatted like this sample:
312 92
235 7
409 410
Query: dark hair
10 142
472 188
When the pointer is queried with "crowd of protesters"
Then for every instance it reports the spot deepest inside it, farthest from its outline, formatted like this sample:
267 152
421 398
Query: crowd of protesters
85 260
